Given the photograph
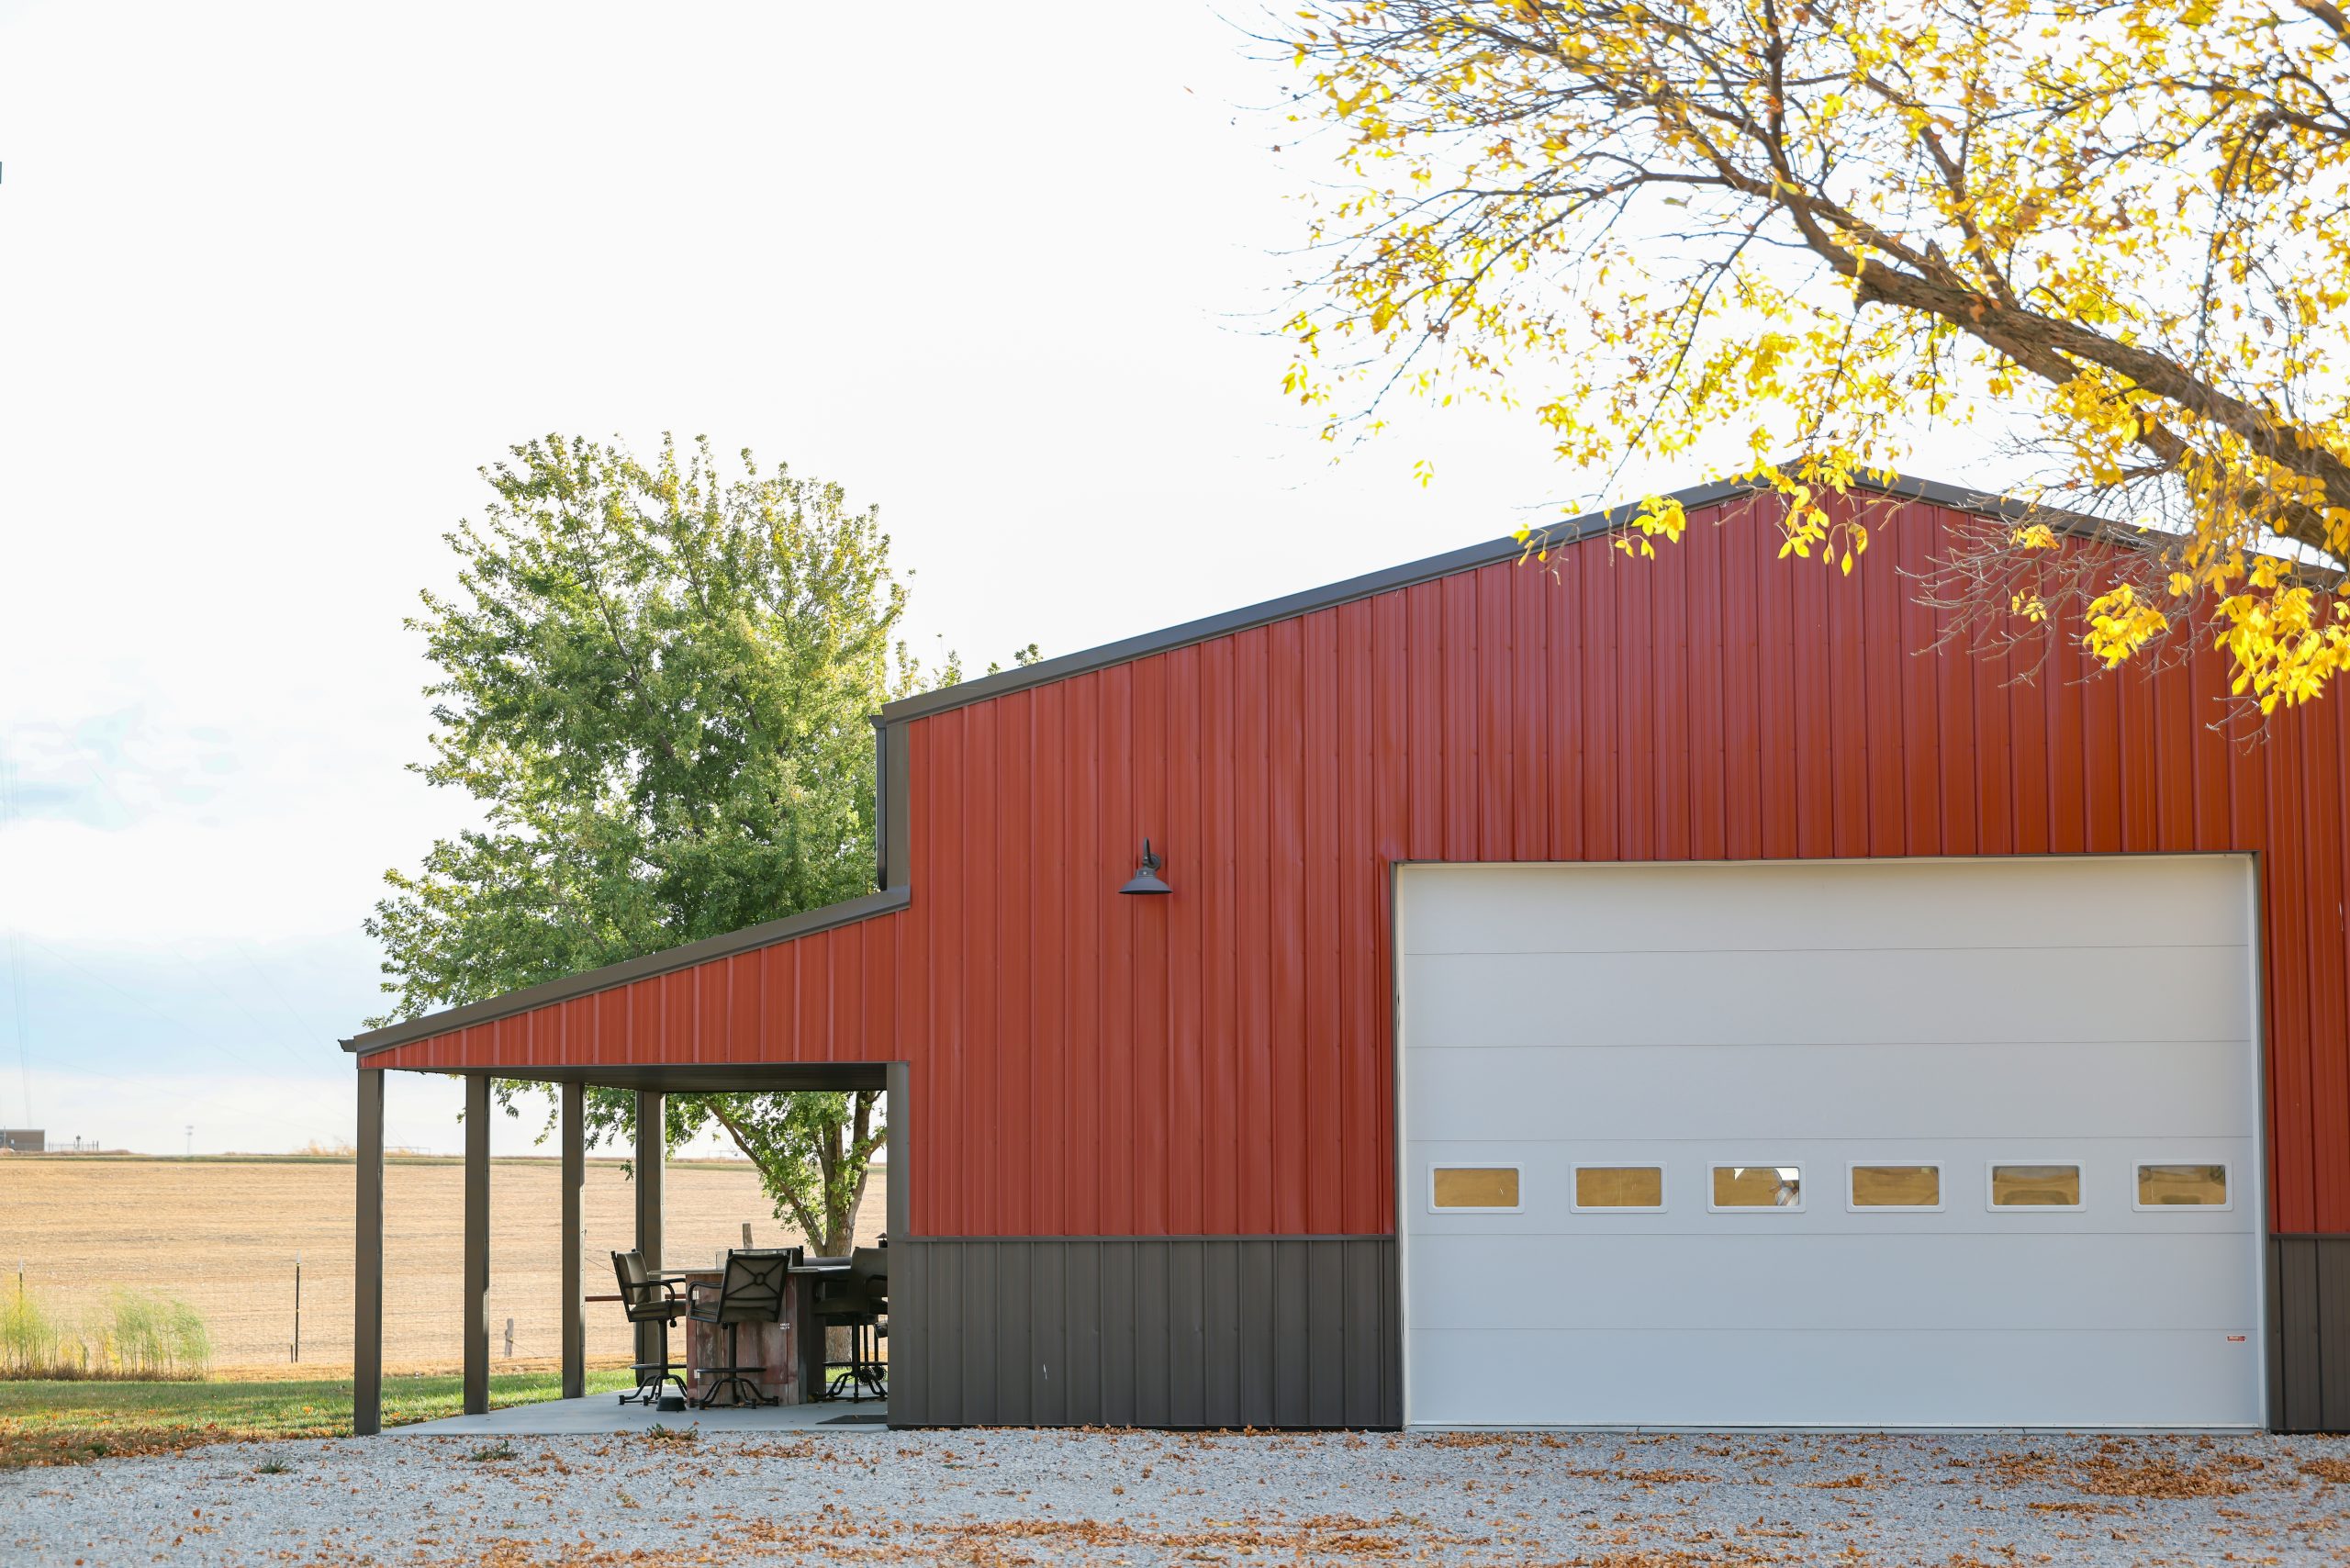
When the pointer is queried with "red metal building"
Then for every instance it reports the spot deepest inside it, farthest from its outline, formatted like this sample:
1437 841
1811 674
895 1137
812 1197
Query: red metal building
1151 1144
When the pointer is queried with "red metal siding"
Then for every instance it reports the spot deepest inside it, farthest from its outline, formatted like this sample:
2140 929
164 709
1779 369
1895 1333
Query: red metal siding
1218 1062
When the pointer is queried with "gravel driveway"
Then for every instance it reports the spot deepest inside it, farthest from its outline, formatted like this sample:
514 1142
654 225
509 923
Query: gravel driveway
1009 1497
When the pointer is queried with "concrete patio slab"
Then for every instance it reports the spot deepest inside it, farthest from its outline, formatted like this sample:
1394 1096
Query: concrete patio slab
602 1414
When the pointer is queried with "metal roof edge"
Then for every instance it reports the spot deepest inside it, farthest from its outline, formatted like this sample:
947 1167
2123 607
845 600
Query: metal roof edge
1574 530
1021 678
807 922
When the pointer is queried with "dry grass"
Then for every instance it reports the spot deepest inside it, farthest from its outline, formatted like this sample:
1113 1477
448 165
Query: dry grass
222 1235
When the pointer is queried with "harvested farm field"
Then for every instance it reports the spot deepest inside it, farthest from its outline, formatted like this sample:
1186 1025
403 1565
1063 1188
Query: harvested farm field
223 1235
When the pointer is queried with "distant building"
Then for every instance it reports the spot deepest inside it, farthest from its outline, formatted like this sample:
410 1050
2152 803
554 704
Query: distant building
22 1141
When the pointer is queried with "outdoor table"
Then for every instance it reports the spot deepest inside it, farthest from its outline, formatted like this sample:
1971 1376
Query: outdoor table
789 1354
804 1279
766 1348
777 1349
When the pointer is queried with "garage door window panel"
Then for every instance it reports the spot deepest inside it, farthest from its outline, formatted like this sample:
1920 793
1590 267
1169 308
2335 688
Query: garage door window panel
2020 1184
1915 1189
1619 1189
1757 1187
2169 1184
1474 1189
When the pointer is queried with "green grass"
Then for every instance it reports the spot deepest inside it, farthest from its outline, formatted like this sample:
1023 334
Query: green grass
71 1423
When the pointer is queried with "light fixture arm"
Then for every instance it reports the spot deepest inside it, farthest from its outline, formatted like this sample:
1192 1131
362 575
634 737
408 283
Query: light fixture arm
1146 880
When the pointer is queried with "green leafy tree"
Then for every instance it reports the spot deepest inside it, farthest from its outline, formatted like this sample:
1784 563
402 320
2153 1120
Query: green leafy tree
1794 241
657 679
813 1151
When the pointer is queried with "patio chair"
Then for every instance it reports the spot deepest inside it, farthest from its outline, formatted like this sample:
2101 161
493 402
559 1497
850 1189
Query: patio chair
750 1291
858 1303
649 1300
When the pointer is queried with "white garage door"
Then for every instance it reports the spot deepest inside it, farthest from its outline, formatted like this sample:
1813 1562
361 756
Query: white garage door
1898 1143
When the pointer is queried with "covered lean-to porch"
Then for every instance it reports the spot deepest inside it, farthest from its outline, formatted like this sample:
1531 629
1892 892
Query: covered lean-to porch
761 1315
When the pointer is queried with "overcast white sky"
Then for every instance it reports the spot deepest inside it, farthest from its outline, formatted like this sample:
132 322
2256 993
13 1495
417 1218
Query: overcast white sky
278 281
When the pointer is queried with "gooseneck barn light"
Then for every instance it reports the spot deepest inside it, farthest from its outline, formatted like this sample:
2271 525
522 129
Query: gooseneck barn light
1146 878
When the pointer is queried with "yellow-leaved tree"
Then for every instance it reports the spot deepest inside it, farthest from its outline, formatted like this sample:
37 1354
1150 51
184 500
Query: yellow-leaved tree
1779 238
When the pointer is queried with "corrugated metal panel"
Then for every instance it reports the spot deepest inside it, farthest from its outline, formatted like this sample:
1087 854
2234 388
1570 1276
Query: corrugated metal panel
2334 1332
2309 1333
1219 1062
1167 1332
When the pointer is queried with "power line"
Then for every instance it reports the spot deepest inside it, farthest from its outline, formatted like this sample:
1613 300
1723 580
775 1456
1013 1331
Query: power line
80 1069
309 1030
180 1031
206 974
15 939
179 1025
11 812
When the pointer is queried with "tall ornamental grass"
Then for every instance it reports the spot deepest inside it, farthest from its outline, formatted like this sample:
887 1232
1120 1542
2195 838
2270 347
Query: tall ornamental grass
136 1335
31 1336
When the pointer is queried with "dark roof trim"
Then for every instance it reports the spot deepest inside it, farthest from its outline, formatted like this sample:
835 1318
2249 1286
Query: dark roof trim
894 826
805 924
698 1078
1414 572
